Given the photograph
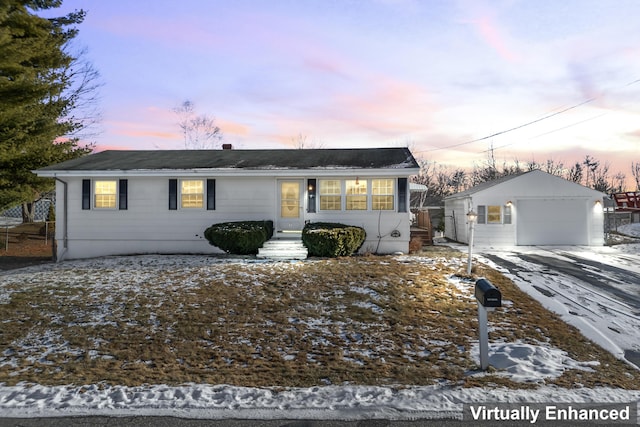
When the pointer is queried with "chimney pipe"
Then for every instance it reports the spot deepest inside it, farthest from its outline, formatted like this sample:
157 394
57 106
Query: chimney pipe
227 147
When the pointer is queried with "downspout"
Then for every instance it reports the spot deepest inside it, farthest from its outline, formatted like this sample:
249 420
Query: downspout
65 221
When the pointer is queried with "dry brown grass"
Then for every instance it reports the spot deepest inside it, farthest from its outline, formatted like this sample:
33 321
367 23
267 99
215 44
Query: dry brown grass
362 320
25 245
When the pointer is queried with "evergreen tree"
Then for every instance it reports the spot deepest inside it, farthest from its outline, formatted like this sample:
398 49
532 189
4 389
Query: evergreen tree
36 98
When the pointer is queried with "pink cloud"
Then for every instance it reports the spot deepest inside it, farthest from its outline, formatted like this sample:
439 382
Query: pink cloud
105 147
491 33
634 135
388 106
374 109
483 19
233 128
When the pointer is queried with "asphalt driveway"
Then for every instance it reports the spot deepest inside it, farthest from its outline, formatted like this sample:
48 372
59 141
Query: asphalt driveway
598 286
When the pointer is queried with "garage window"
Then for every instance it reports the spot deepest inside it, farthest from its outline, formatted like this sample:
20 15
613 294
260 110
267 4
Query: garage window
493 215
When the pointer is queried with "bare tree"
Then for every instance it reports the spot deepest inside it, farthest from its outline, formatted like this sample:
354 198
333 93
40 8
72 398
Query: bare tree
635 172
618 182
440 180
199 131
301 142
554 168
591 166
575 173
601 181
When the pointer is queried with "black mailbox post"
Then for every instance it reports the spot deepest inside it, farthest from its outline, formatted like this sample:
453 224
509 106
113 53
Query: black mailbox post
487 294
488 297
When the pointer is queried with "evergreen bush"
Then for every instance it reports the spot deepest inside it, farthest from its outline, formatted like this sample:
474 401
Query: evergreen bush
328 239
241 237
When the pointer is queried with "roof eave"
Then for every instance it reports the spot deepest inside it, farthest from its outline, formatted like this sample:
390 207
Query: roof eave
336 171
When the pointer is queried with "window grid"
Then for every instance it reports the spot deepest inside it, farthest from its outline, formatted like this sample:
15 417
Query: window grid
382 194
494 215
192 194
105 194
330 195
356 198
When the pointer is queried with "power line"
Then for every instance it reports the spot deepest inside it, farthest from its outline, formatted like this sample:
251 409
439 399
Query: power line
525 124
547 133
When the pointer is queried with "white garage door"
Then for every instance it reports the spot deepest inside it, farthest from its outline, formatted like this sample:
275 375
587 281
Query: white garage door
552 222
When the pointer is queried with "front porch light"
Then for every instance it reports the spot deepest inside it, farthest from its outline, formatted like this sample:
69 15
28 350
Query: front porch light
472 216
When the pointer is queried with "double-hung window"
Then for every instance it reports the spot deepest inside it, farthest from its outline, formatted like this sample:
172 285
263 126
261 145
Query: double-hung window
192 194
356 197
382 194
104 194
330 195
493 214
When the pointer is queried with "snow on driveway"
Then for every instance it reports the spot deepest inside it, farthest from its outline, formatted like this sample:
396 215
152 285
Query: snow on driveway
596 289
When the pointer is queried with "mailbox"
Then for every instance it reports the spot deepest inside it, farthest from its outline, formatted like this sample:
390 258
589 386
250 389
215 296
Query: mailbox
487 294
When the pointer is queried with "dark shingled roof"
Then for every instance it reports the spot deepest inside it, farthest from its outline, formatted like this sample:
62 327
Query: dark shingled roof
366 158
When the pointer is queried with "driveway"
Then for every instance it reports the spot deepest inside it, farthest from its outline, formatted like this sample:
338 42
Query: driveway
595 289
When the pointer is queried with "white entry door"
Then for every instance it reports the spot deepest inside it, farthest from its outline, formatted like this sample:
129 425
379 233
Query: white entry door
291 218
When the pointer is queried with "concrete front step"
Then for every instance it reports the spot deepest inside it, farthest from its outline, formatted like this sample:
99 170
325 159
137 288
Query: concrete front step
282 250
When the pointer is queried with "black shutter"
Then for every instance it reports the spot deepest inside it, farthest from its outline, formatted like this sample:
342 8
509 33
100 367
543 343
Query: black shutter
402 194
86 194
211 194
173 194
311 191
122 195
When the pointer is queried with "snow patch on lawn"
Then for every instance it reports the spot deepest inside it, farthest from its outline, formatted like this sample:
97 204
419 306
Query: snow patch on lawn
528 363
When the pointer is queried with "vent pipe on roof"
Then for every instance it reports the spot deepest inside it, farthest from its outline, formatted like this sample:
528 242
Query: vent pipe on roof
227 147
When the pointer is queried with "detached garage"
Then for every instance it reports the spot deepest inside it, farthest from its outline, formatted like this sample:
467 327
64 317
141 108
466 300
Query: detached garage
531 208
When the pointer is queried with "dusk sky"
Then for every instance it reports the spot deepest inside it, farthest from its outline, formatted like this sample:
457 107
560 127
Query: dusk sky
439 76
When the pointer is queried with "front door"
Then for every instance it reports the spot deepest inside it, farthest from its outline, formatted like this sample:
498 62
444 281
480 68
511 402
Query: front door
290 219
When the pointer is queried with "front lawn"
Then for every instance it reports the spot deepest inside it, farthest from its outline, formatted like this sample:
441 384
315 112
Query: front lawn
397 321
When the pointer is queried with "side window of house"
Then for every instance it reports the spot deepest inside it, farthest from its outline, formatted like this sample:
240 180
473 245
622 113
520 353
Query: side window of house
191 193
382 194
356 197
330 195
104 194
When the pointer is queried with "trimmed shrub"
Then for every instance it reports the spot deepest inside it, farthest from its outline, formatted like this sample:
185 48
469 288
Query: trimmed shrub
328 239
239 238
